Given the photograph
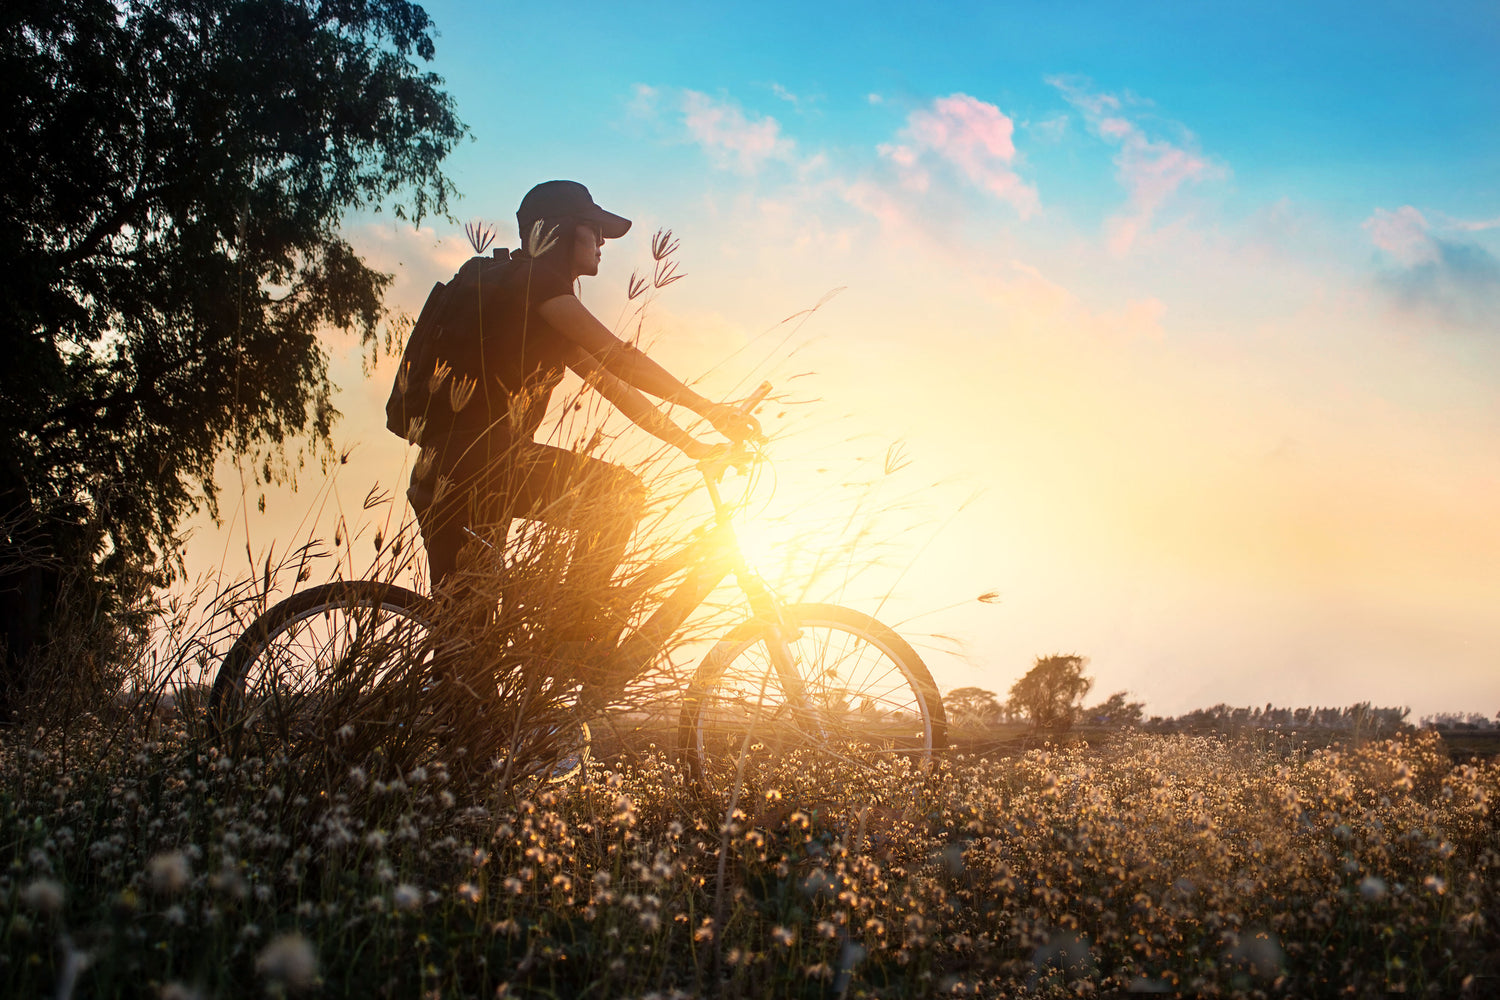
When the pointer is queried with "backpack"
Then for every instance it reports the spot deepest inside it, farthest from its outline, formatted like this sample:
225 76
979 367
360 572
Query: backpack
410 398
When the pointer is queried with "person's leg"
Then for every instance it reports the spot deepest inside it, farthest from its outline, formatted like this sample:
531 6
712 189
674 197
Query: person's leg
599 502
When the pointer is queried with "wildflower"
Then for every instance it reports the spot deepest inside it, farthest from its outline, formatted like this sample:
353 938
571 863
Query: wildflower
1372 888
468 892
44 896
460 392
783 936
438 377
426 458
406 897
289 959
538 243
167 873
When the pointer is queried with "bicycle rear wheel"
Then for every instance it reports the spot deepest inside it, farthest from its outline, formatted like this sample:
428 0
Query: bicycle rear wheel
319 663
835 685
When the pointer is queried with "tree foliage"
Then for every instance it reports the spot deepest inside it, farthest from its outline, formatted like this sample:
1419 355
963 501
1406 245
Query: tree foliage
1050 692
1116 710
972 706
173 177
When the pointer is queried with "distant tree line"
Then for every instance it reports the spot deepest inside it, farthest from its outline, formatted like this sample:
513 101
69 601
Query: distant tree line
1461 722
1362 718
1050 697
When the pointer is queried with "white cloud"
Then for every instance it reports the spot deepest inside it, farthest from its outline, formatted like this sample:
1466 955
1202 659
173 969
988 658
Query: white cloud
643 101
1469 225
1460 280
1403 234
1050 129
722 128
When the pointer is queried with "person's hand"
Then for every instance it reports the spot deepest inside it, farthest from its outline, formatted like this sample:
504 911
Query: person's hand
732 422
700 451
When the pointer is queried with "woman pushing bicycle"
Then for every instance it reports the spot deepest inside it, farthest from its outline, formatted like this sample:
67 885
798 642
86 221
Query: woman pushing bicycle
483 361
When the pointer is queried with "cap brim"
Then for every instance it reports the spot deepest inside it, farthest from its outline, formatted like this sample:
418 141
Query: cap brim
611 226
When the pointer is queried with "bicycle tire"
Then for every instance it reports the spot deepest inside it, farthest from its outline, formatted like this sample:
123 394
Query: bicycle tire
315 648
251 705
869 695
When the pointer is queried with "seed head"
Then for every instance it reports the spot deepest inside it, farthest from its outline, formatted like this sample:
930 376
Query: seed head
44 896
289 959
168 873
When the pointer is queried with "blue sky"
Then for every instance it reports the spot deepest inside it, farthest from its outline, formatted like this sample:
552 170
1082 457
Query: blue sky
1185 313
1346 102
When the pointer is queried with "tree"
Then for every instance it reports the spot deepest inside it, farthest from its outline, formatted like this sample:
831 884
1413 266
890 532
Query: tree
972 706
1050 693
173 177
1116 711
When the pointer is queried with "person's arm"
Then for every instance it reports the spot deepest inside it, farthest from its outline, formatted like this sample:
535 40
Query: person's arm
569 317
635 406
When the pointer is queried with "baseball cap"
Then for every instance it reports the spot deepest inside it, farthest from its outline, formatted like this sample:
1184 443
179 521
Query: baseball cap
569 199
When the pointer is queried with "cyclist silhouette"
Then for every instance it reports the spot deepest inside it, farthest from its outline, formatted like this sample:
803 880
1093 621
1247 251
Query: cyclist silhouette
504 343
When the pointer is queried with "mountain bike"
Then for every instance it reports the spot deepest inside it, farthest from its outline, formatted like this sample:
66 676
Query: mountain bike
788 679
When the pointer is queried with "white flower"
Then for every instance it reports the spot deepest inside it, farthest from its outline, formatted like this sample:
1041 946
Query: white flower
406 897
168 873
44 895
290 960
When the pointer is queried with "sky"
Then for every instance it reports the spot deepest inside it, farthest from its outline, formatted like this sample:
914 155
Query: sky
1180 320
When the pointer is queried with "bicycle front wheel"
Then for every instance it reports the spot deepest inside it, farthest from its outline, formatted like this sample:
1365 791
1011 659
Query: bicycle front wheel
831 683
313 666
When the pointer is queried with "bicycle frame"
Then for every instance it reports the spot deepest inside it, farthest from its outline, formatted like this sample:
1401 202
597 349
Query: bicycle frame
707 559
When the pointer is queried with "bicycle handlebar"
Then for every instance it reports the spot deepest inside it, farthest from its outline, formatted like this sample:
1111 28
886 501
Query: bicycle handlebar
737 454
754 399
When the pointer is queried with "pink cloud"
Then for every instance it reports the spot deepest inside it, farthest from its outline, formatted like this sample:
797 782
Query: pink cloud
973 136
1151 170
1403 234
723 129
875 201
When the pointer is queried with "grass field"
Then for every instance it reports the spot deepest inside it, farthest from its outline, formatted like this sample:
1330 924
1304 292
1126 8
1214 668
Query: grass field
149 865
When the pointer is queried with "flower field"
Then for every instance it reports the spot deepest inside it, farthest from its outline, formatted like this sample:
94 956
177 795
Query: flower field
156 867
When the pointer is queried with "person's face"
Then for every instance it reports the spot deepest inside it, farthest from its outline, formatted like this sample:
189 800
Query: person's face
587 249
